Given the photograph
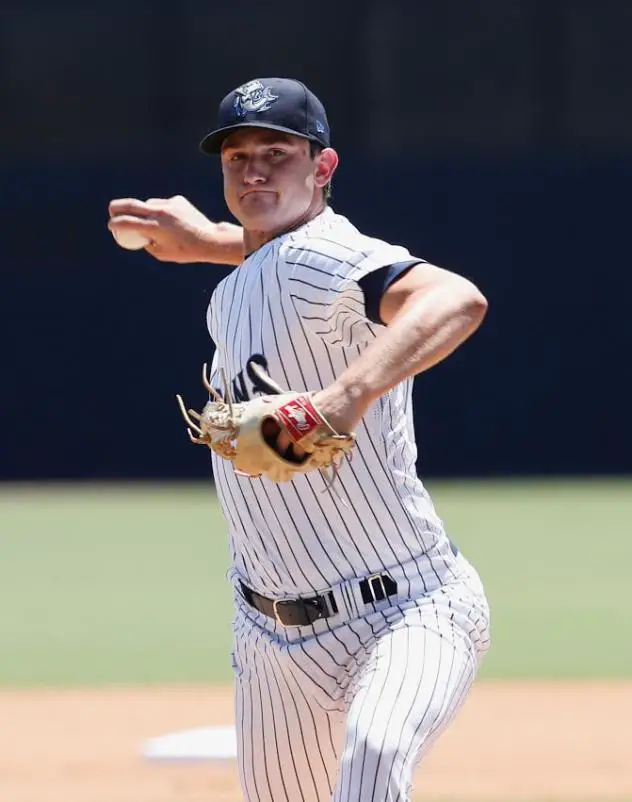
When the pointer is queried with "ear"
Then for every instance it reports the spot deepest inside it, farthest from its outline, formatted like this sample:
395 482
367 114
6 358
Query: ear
326 164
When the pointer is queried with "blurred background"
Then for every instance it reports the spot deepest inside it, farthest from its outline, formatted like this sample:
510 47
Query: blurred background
493 138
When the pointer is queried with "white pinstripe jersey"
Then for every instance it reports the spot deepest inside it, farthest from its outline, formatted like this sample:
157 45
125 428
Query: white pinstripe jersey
295 305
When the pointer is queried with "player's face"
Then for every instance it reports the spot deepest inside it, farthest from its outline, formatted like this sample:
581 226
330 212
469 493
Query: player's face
271 180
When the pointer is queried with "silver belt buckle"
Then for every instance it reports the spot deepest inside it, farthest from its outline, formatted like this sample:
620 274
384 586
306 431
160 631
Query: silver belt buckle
380 579
275 608
330 609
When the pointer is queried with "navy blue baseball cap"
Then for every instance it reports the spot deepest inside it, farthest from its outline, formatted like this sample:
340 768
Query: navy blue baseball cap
280 104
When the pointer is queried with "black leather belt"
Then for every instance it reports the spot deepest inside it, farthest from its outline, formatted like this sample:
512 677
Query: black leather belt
303 612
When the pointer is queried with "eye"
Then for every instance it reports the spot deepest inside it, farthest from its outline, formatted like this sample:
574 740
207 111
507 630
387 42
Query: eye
230 155
277 152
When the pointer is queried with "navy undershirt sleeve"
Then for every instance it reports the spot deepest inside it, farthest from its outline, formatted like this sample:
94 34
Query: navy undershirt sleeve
375 284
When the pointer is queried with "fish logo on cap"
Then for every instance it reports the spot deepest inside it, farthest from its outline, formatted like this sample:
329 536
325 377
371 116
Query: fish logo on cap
253 97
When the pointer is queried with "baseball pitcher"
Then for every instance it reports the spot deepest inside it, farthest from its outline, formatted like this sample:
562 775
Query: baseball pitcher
359 627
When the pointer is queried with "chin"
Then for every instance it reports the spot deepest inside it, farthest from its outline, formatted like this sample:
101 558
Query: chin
258 222
263 219
254 214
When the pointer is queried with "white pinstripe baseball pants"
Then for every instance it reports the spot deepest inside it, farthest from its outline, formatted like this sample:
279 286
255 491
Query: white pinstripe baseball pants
345 713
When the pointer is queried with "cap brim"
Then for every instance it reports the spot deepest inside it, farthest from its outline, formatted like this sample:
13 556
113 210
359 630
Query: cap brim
212 143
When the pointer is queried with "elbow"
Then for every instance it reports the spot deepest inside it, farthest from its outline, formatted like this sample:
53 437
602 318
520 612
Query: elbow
473 303
478 305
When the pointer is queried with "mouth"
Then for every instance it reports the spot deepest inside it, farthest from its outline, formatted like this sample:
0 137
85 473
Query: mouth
256 192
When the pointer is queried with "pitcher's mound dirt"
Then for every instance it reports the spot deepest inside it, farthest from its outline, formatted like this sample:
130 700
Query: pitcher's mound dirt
512 741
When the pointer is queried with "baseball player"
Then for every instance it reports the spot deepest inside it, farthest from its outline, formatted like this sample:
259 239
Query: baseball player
359 626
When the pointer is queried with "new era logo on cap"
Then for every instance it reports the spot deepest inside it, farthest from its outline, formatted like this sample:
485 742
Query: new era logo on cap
279 104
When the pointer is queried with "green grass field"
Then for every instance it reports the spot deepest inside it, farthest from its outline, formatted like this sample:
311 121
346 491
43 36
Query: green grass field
126 584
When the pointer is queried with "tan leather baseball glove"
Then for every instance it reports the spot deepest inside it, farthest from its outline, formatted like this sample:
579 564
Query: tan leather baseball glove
246 433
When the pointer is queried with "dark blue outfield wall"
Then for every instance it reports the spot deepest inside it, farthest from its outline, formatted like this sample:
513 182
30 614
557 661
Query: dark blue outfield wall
97 341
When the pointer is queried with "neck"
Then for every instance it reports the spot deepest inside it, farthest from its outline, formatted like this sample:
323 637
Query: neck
253 240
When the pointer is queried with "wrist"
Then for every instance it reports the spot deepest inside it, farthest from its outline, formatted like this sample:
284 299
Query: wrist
342 405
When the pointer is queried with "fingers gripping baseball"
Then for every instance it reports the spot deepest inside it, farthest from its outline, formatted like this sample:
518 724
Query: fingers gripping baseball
171 229
277 436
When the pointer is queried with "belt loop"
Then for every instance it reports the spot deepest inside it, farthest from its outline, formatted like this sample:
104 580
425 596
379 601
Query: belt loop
376 583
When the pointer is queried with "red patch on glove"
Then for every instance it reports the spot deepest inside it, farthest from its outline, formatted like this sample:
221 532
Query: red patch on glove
299 418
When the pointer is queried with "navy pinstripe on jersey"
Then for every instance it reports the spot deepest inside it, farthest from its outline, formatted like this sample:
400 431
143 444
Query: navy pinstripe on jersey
297 306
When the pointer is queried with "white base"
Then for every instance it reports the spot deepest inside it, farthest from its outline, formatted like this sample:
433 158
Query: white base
199 744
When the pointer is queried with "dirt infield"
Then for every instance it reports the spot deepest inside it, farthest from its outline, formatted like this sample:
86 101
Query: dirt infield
513 741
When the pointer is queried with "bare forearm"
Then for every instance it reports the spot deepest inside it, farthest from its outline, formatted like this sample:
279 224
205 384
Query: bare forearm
425 331
177 230
224 244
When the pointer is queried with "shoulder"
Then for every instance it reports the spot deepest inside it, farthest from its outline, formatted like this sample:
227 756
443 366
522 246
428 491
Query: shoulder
331 241
320 242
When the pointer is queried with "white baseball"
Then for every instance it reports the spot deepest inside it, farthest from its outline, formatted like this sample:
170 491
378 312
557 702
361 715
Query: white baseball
130 240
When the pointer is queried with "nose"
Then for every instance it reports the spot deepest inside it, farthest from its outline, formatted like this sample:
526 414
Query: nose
254 173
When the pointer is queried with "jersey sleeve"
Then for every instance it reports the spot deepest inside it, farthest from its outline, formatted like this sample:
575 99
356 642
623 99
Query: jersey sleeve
337 291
